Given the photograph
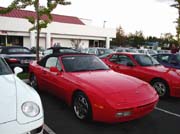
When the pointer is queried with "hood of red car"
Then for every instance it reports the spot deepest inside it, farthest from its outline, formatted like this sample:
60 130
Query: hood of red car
117 85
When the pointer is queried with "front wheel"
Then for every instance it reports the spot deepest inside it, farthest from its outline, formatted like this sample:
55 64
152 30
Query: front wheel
161 87
81 106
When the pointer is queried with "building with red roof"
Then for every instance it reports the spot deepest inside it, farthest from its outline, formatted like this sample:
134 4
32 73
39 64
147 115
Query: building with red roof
67 31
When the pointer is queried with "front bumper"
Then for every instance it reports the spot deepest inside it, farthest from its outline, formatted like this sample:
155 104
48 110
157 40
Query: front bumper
14 127
109 115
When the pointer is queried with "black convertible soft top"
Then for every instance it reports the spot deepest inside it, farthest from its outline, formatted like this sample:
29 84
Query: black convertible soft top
42 61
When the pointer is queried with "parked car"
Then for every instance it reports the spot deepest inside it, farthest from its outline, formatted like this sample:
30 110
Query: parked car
53 50
129 50
92 89
99 51
163 51
168 60
147 51
21 108
164 80
17 56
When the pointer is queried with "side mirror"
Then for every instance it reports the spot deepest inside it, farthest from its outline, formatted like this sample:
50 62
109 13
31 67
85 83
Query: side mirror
17 70
54 69
130 64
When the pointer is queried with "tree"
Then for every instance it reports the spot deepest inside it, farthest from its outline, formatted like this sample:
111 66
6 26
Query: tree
166 39
177 5
38 21
120 39
136 39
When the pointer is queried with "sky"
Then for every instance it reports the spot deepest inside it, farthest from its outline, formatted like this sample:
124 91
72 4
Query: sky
152 17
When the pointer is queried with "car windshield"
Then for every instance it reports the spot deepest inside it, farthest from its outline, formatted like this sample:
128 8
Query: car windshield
145 60
80 63
18 51
4 68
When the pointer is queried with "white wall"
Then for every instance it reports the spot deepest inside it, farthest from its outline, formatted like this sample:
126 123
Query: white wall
26 41
60 32
68 43
42 42
19 24
62 42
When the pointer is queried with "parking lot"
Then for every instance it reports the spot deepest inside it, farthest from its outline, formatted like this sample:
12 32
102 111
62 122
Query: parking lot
59 119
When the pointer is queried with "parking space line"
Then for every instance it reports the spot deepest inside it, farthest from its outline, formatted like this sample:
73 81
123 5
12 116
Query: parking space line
48 130
168 112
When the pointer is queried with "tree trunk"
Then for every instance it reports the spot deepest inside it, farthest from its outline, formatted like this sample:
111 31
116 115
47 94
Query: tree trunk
38 31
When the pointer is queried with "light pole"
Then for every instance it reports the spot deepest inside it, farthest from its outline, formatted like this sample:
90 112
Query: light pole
104 24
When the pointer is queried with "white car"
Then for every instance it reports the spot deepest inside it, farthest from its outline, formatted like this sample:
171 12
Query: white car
21 108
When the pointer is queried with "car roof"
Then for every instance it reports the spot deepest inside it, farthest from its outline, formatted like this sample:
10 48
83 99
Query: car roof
164 54
63 54
60 48
13 47
129 53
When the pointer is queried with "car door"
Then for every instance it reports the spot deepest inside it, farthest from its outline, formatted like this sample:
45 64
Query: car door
46 76
58 84
122 64
111 62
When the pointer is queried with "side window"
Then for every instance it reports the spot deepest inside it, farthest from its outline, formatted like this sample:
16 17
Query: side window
164 58
124 60
114 58
51 62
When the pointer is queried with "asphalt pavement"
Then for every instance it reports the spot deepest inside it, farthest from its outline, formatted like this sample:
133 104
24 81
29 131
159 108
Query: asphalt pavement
59 119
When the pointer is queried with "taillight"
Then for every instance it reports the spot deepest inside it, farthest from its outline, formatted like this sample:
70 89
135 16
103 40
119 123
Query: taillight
12 60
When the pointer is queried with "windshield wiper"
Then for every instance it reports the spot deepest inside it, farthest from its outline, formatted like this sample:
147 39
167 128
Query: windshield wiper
99 69
157 64
80 70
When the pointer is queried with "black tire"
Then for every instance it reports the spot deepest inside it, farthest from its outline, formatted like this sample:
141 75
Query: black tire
161 87
81 106
33 81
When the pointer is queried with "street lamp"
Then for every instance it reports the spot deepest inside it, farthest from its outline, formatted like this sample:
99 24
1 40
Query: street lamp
104 24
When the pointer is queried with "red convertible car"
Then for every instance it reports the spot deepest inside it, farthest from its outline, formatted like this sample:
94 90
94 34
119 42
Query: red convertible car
166 81
92 89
